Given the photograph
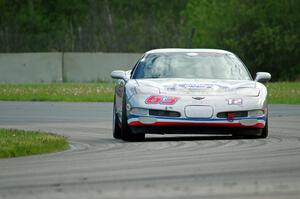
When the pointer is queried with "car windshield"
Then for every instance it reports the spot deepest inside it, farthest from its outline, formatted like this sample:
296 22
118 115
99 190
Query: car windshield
191 65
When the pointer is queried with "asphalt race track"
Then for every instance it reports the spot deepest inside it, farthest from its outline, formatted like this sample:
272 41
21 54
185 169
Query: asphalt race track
97 166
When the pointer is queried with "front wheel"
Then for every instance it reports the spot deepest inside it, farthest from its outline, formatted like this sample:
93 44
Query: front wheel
117 134
126 132
265 130
252 133
247 133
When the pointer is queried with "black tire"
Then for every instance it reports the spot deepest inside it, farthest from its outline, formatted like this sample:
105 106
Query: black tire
126 132
247 133
265 131
117 134
253 133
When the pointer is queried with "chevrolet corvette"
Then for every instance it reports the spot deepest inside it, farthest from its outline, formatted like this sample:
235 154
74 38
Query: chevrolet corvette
189 91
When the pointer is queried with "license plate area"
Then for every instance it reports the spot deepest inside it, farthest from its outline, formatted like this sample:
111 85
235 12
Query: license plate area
193 111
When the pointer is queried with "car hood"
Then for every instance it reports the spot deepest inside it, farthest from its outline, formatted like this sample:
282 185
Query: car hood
198 86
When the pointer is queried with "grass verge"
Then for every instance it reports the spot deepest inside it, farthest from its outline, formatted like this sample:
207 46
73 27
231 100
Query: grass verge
279 92
284 93
68 92
14 143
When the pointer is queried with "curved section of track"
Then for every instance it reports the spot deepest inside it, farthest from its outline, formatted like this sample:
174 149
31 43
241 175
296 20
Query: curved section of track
168 166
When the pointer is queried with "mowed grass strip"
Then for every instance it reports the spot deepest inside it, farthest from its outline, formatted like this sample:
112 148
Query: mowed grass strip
284 93
279 92
14 143
68 92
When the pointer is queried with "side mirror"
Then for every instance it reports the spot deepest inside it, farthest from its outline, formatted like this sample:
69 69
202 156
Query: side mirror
118 74
262 77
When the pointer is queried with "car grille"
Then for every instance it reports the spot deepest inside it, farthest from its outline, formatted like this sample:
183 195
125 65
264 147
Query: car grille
235 113
164 113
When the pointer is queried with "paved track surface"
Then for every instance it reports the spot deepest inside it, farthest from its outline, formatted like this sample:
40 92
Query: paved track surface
98 166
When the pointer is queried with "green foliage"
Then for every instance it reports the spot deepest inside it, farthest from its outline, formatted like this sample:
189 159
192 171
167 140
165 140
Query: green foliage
14 143
264 33
38 25
89 25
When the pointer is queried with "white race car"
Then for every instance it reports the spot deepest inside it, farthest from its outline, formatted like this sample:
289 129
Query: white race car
183 91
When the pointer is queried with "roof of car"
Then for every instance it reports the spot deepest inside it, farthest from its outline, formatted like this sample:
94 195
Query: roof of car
184 50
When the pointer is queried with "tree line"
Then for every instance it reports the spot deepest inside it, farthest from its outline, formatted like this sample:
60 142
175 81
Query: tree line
264 33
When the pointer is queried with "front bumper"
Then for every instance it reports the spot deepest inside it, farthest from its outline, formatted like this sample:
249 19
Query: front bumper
212 104
247 122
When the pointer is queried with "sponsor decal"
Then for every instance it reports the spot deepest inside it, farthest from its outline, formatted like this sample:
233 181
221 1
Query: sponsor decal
196 86
163 100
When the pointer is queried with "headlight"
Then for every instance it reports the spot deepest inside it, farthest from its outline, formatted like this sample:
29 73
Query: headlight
256 113
139 111
251 92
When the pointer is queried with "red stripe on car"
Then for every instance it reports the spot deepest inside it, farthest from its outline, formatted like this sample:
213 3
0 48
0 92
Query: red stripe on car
137 123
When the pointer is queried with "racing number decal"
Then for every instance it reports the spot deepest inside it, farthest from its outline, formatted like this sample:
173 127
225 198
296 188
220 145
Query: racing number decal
168 100
153 99
164 100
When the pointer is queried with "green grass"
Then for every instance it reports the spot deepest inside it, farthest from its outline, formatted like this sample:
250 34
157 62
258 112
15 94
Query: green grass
68 92
14 143
284 93
279 92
